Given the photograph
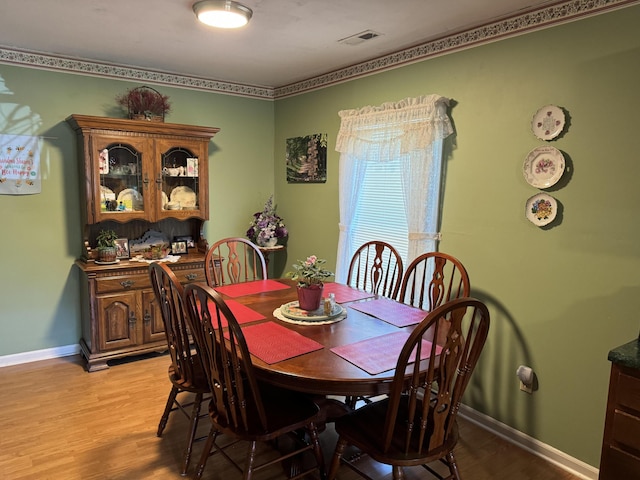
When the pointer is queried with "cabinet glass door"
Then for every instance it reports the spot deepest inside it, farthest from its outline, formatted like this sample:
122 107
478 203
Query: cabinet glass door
182 182
121 179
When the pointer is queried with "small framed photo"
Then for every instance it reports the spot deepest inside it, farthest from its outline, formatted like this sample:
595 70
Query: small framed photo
122 248
188 239
179 247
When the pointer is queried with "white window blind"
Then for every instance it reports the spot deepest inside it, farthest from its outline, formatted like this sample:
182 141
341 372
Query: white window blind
380 212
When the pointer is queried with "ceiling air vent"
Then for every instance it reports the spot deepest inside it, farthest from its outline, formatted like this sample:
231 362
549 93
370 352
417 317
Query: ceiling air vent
358 38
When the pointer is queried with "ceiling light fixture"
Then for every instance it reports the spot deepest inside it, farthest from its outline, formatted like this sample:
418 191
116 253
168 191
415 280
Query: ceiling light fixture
222 13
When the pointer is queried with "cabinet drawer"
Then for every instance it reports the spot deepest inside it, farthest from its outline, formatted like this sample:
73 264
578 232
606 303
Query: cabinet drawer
190 276
628 395
625 431
618 465
122 283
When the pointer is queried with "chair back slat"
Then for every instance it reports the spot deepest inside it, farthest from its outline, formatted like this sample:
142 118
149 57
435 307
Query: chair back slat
168 293
226 360
376 267
234 260
432 279
425 395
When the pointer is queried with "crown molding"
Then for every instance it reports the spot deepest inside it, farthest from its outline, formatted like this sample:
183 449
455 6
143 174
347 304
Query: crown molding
556 14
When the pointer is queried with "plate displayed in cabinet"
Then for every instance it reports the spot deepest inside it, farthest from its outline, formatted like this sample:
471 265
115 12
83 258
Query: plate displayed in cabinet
548 122
184 196
543 167
131 199
541 209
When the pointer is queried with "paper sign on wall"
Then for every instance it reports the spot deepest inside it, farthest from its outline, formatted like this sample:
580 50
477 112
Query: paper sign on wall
19 165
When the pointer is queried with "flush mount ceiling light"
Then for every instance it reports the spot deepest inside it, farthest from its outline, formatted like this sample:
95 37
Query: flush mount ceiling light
222 13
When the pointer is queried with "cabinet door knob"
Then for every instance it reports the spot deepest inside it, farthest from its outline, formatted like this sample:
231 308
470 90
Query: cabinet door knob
191 276
127 283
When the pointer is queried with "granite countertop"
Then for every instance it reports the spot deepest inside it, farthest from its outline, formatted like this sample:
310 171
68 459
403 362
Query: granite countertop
627 355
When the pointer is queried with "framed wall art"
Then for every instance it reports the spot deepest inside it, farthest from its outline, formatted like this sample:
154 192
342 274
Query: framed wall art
307 159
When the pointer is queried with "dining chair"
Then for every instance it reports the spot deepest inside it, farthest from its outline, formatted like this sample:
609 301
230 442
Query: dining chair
416 424
234 260
185 371
432 279
376 267
243 408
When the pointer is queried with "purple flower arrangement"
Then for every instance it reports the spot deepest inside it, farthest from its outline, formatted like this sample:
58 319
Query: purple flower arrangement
266 225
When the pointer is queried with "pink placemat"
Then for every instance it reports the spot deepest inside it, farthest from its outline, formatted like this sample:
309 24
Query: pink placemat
273 343
344 293
242 313
392 312
379 354
249 288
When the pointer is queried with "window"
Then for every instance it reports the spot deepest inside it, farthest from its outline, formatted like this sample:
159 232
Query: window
390 169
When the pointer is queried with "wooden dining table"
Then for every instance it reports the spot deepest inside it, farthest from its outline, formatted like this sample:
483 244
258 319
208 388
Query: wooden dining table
321 370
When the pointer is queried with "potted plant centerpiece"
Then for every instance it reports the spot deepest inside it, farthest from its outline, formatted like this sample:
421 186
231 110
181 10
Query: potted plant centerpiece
106 240
144 103
310 275
267 226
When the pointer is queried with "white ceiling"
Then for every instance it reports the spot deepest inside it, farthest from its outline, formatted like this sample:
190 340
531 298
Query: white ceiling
286 41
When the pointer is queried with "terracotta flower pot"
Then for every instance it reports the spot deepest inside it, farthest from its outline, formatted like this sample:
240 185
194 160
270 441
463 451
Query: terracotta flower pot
309 297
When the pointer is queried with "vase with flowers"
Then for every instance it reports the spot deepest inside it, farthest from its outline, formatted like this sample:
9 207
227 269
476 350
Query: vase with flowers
310 275
267 226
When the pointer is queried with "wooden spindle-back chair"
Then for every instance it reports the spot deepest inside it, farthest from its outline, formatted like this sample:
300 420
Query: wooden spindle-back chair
234 260
416 423
242 407
185 372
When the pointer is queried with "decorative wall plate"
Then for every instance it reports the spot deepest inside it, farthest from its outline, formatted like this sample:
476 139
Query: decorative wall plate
541 209
548 122
543 166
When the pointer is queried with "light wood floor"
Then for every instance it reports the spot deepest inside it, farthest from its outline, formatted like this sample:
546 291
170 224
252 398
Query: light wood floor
58 422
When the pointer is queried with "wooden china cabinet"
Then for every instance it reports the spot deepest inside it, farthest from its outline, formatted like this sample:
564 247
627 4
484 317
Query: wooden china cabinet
137 176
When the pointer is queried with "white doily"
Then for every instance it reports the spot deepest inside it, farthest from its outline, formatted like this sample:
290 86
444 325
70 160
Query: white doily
278 314
168 258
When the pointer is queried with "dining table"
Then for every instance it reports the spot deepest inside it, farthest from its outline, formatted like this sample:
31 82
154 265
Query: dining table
350 351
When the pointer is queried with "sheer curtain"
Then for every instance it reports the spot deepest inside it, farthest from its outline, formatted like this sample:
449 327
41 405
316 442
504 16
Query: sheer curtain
413 130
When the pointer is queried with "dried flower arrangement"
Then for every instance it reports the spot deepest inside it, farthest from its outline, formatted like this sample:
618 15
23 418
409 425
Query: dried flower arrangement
145 102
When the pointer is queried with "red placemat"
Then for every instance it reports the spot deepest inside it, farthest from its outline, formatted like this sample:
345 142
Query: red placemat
273 343
379 354
392 312
344 293
242 313
249 288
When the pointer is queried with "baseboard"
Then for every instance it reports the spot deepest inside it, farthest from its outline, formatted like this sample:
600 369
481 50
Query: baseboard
36 355
552 455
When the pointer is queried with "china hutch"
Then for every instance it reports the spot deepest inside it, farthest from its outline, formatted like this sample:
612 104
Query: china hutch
138 178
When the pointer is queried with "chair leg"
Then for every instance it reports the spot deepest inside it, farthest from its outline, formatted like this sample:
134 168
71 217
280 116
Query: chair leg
337 455
193 426
315 441
251 458
398 473
453 466
205 454
167 410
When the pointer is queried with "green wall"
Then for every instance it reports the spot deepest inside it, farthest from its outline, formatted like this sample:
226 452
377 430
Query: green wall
41 234
561 296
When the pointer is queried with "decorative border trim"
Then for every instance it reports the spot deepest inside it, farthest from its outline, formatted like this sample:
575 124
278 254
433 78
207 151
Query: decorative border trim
552 455
562 12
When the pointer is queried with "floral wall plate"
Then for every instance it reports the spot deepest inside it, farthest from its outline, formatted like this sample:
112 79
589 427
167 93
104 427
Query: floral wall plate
543 167
548 122
541 209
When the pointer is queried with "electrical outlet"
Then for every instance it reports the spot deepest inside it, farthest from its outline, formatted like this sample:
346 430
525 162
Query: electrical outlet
524 388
